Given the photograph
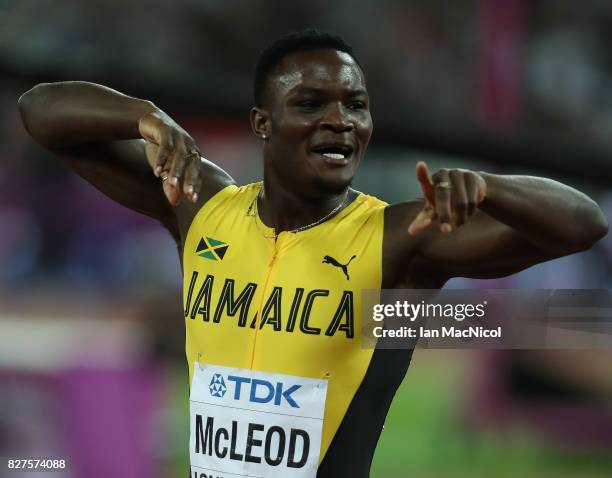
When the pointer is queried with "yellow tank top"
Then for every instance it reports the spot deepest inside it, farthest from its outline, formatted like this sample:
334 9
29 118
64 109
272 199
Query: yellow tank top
289 306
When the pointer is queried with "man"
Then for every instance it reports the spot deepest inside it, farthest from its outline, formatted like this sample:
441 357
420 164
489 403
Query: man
273 271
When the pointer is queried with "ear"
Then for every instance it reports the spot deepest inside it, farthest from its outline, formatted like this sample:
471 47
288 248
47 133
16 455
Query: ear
260 122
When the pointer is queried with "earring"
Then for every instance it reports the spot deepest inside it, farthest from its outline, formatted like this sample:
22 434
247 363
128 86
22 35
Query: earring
264 137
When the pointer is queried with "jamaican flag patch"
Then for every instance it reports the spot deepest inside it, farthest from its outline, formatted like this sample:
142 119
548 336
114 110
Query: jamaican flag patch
212 249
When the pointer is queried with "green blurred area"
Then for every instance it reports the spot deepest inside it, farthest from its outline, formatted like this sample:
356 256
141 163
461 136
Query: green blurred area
424 434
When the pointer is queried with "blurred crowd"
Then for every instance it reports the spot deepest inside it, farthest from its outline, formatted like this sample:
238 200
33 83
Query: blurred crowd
432 56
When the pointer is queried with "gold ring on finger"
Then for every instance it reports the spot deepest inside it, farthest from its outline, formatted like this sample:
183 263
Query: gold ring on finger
443 185
164 178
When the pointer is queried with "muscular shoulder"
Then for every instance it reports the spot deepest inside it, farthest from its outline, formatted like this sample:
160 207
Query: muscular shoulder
213 180
397 219
401 214
402 266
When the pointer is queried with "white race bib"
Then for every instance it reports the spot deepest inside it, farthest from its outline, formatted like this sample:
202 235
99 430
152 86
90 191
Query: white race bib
245 423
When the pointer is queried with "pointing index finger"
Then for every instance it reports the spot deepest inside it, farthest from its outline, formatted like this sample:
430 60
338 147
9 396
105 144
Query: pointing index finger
427 186
423 173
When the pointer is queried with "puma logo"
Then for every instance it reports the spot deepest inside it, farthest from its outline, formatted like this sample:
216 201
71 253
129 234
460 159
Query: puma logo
335 263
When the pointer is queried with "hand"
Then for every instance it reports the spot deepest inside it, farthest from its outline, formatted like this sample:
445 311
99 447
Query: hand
451 197
172 154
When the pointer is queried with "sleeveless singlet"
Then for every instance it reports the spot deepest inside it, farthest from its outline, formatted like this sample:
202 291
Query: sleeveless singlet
291 305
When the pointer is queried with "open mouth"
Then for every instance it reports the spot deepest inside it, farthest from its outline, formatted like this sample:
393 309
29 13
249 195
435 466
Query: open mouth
335 154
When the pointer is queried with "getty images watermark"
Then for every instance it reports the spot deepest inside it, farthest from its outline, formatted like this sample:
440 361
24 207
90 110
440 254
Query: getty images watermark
492 318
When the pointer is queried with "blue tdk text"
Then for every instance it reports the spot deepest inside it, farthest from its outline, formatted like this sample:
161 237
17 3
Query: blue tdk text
262 391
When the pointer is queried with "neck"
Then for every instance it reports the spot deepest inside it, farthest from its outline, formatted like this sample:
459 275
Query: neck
285 209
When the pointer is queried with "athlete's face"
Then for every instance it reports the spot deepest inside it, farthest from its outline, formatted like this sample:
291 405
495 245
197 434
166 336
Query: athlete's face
318 120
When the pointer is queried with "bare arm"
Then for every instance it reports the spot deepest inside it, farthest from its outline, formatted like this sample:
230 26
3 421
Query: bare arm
115 142
73 113
484 225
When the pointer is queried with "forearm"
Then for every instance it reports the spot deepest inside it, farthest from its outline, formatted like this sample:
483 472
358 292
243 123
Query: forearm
551 215
61 115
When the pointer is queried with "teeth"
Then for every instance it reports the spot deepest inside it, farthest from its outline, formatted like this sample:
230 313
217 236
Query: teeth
334 155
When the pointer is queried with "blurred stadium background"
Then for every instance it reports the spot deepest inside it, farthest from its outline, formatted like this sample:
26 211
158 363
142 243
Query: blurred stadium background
91 333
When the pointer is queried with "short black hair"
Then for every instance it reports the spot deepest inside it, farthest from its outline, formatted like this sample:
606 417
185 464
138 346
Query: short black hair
308 39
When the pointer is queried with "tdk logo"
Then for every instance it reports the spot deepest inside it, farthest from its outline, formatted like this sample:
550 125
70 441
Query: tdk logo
254 390
217 386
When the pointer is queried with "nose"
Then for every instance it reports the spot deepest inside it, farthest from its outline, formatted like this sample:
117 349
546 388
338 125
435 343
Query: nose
337 119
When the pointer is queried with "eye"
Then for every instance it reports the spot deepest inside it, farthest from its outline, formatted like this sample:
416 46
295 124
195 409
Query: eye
308 104
357 105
